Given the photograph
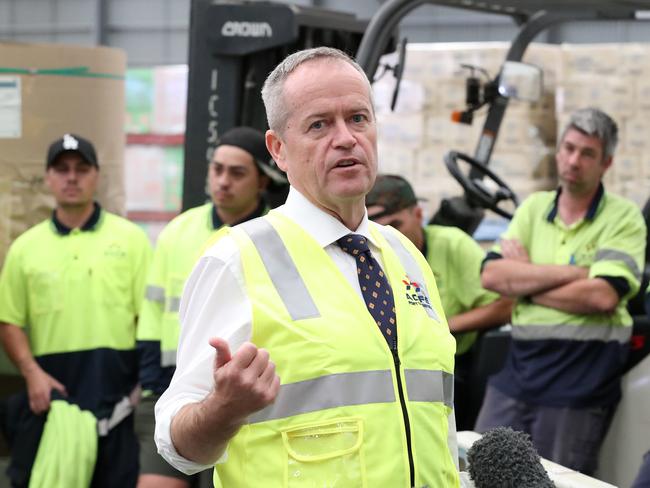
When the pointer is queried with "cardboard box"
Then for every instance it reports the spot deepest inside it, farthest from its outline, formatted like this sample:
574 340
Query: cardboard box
531 164
590 59
612 94
547 57
629 166
610 59
525 130
634 135
450 93
636 60
637 190
411 96
401 130
396 160
524 187
545 106
444 59
442 131
642 96
46 91
430 164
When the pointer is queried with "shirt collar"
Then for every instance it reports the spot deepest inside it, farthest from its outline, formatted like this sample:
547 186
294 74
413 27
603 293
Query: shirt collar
88 225
591 211
258 212
323 227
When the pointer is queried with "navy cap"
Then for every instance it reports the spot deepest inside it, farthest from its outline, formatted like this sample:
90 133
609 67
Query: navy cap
72 142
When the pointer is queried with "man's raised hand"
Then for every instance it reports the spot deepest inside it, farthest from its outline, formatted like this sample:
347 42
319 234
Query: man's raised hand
244 382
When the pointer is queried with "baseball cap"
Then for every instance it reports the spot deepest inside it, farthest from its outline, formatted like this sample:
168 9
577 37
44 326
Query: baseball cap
252 141
392 193
72 142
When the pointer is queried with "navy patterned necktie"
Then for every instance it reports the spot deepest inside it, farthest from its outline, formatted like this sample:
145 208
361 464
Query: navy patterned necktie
375 288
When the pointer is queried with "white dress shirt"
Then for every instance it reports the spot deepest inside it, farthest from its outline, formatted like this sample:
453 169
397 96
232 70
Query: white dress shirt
215 304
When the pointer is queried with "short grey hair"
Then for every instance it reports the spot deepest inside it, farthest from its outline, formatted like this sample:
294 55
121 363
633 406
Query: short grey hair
272 91
595 123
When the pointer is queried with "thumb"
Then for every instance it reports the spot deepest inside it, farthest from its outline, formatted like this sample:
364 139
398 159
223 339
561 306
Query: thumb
222 350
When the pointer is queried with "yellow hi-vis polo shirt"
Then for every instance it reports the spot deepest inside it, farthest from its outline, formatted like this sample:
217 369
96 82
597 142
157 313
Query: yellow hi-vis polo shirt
455 259
77 294
559 358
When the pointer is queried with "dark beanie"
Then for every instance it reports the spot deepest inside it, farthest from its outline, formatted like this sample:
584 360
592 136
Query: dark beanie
252 141
248 139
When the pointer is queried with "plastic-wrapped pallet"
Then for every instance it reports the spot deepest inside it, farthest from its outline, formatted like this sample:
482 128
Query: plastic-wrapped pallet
433 85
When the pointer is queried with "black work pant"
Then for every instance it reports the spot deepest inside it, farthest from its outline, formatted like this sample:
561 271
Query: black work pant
117 458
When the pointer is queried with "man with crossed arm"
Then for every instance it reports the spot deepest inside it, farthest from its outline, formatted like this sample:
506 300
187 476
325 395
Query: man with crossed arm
572 258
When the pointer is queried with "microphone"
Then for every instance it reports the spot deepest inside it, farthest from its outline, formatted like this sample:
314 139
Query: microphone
504 458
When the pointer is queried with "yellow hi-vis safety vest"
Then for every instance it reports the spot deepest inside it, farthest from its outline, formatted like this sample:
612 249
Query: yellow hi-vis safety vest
349 413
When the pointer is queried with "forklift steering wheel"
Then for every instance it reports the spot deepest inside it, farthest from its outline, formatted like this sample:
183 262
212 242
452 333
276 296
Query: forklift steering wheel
476 189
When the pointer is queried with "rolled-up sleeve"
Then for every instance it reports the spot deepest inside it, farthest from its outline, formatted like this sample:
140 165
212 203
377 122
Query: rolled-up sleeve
214 304
621 252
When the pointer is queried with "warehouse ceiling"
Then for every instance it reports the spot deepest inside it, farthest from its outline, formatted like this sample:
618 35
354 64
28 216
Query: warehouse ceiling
524 9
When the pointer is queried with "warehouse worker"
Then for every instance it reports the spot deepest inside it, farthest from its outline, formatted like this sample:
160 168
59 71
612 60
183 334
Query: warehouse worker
70 291
240 170
455 259
313 347
572 258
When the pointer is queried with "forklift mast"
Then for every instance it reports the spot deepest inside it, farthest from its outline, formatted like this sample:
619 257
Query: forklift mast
531 17
234 45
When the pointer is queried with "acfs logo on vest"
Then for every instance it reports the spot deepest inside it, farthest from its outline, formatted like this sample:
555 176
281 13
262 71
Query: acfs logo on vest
415 295
234 28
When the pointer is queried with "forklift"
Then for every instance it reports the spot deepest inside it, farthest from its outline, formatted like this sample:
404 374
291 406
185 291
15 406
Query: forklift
234 45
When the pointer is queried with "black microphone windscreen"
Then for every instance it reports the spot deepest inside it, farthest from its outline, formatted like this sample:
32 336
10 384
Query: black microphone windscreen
504 458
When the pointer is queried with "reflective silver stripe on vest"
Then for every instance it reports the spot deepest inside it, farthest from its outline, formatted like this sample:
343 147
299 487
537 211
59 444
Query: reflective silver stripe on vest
360 388
410 266
336 390
155 294
615 255
595 332
281 269
173 304
424 385
167 358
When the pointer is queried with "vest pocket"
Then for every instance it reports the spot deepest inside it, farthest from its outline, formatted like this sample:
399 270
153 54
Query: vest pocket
325 454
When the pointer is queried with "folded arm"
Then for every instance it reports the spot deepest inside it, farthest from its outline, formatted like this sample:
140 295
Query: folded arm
515 278
484 317
514 275
583 296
